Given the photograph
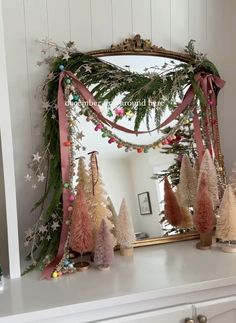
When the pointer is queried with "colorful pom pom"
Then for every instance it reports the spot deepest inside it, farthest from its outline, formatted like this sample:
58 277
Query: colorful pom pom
75 98
119 112
71 198
68 81
55 274
67 143
111 140
66 263
139 150
98 127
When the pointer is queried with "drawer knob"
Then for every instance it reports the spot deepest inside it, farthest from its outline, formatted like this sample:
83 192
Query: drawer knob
202 319
188 320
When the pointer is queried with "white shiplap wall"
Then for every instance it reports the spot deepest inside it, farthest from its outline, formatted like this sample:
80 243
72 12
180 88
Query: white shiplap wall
92 24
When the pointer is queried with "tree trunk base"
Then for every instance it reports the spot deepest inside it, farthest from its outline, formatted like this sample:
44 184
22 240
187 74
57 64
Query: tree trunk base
228 248
127 251
82 266
205 241
103 267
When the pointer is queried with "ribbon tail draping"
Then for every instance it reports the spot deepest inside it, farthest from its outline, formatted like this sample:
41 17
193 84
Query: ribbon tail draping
64 151
207 83
198 135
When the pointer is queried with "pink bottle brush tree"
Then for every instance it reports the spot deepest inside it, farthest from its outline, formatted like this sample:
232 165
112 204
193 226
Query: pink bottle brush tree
172 209
204 218
81 232
103 253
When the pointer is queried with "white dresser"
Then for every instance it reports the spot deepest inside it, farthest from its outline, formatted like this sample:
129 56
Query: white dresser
163 284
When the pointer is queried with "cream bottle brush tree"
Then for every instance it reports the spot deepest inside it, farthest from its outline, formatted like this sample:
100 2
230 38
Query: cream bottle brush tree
125 230
98 204
113 219
84 180
188 182
226 222
232 179
187 218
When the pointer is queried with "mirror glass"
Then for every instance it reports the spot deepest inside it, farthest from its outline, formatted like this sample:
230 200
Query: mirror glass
128 174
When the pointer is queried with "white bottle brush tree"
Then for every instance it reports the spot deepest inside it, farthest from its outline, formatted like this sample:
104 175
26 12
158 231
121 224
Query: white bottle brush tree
113 219
125 230
226 222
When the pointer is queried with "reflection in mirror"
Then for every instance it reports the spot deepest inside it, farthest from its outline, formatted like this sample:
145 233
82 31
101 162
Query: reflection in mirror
128 174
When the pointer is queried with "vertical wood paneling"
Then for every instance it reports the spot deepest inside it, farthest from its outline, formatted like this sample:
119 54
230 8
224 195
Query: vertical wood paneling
80 24
17 71
142 18
102 32
58 20
122 19
179 24
197 23
214 29
215 48
36 28
161 22
222 47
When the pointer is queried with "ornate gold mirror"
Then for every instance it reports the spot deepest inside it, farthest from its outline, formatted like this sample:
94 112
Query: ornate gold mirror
139 177
143 109
126 173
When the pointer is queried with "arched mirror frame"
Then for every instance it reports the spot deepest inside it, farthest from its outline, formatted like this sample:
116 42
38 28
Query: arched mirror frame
139 46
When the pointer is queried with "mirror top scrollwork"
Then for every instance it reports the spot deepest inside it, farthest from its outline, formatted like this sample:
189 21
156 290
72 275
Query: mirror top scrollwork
139 46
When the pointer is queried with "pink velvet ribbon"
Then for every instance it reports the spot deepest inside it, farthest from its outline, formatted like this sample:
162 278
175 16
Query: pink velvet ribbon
64 151
207 82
